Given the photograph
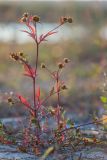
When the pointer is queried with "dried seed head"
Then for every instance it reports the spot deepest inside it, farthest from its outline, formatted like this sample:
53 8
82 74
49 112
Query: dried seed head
21 54
66 60
36 18
10 100
69 20
65 19
14 56
43 65
64 87
23 19
60 65
25 15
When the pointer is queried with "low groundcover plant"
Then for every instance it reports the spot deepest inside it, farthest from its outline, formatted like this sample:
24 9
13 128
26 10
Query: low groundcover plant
39 135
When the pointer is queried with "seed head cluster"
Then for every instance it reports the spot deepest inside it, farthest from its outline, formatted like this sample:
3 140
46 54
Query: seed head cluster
43 65
64 87
14 56
60 65
66 60
26 16
66 19
18 56
36 18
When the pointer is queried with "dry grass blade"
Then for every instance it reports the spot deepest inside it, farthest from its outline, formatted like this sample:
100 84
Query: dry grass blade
47 152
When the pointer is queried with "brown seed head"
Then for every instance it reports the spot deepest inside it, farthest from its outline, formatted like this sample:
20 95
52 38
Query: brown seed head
36 18
14 56
60 65
10 100
66 60
65 19
21 54
69 20
64 87
25 15
43 65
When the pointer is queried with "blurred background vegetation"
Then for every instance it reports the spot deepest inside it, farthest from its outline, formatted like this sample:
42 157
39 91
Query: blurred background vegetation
84 41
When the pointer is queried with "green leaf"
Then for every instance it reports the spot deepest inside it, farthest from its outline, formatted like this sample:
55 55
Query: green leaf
34 121
70 123
103 99
63 114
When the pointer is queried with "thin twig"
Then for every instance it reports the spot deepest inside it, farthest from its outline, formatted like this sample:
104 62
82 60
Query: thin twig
85 124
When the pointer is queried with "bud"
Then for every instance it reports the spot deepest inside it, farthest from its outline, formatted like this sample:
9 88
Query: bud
36 18
25 15
64 87
69 20
43 65
66 60
60 65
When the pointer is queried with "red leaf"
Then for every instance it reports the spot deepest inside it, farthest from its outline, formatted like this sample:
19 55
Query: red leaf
26 32
43 37
23 100
38 93
29 71
29 24
50 33
32 29
29 34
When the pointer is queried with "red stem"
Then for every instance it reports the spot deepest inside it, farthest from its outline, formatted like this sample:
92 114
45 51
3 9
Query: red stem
58 96
49 32
44 100
37 54
35 105
58 88
34 97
